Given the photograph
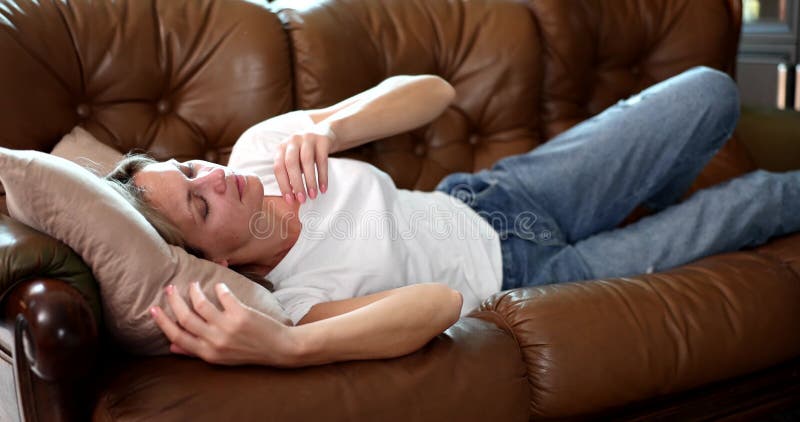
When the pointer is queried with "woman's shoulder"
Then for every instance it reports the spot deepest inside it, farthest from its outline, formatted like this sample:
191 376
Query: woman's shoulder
258 143
276 128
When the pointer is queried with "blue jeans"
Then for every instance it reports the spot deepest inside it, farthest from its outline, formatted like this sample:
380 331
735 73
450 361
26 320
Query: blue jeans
556 208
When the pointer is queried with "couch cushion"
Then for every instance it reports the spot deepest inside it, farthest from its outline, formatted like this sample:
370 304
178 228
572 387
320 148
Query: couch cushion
487 49
595 345
173 78
600 52
473 371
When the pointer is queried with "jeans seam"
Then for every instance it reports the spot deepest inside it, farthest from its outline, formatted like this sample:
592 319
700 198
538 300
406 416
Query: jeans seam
508 273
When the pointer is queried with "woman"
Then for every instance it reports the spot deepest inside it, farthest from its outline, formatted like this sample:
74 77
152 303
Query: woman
366 270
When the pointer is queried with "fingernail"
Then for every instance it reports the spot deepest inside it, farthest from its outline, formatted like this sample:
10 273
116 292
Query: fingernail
153 311
312 193
224 287
301 197
323 188
288 198
169 289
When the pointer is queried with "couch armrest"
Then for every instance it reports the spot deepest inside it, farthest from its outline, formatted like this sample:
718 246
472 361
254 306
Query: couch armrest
772 137
595 345
52 325
54 342
26 253
49 305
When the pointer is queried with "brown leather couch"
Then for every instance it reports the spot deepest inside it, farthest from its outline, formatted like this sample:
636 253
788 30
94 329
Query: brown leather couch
184 78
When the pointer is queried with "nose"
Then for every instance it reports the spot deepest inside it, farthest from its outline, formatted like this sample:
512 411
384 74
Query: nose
211 179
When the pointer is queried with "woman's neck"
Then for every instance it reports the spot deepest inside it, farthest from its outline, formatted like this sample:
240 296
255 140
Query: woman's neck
276 230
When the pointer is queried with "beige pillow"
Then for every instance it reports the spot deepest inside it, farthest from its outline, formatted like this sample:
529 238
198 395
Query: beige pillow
79 146
130 261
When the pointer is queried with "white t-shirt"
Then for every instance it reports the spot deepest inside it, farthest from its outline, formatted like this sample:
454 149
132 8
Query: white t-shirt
364 235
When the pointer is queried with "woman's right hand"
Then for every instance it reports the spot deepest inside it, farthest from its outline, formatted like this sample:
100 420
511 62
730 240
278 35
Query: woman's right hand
233 335
296 160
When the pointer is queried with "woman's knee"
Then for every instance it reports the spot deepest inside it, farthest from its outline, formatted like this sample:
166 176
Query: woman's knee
716 93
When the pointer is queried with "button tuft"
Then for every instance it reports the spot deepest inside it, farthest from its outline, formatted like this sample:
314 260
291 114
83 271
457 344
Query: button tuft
162 106
83 110
212 156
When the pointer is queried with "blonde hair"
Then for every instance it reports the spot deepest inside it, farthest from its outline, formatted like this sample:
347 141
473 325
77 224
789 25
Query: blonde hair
121 180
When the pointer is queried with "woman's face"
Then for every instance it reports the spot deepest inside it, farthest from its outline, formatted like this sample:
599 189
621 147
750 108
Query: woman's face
210 204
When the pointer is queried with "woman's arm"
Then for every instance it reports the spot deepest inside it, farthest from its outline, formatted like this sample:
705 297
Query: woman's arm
397 104
387 325
396 324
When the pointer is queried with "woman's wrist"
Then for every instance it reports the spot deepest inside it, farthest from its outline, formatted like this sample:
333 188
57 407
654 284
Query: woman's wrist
299 345
325 128
331 127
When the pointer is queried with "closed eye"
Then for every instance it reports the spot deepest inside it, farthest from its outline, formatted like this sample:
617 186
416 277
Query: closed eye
204 208
189 171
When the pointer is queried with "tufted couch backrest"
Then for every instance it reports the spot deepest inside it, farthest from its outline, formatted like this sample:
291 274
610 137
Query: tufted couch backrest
488 50
176 78
597 52
185 78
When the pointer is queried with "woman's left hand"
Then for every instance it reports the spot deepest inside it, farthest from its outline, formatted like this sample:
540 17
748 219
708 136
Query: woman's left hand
235 335
304 155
